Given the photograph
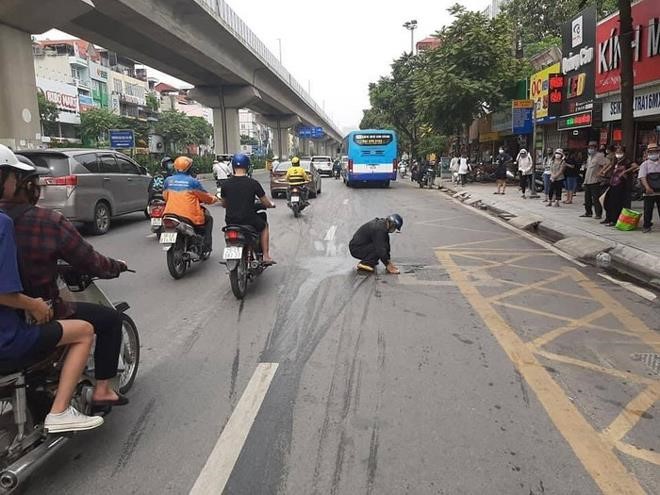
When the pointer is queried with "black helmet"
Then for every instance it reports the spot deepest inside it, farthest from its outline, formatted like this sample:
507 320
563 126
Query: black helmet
396 220
166 164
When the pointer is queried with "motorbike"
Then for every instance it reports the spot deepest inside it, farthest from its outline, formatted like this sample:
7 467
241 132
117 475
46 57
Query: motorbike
295 201
242 255
156 208
336 172
403 169
26 396
427 178
184 244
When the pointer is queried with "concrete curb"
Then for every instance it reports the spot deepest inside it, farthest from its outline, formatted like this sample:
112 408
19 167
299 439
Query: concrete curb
634 262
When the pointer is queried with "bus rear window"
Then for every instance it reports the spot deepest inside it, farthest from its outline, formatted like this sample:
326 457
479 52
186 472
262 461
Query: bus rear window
372 139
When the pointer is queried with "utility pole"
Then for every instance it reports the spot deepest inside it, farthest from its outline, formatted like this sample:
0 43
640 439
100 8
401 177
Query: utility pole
627 78
411 26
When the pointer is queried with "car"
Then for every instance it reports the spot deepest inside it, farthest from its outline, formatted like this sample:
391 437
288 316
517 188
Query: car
91 185
323 164
278 186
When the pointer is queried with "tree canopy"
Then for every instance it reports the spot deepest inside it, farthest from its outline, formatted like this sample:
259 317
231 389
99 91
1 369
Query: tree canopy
48 113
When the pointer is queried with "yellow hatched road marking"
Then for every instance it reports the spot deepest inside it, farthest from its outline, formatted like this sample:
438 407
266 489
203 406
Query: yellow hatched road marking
596 455
631 414
558 332
643 454
524 288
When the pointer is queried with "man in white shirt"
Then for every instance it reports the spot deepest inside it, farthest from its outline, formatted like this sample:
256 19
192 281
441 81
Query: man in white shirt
221 170
649 176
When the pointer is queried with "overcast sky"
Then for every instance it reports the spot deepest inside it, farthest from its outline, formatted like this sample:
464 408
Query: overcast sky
339 48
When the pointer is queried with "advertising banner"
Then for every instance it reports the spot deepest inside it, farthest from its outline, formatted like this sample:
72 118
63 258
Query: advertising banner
646 103
577 65
646 48
538 85
65 96
521 116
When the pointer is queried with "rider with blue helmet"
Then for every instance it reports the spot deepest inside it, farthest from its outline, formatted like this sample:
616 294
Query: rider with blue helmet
238 195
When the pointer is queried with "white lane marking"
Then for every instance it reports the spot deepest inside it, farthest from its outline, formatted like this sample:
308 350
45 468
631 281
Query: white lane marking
345 201
220 464
646 294
330 235
526 235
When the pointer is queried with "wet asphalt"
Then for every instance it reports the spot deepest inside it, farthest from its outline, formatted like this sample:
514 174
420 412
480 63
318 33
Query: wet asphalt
386 384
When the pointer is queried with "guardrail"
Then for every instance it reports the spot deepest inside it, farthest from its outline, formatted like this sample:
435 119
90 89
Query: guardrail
224 14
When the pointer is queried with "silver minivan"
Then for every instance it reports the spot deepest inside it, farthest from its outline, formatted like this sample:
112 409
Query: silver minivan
91 186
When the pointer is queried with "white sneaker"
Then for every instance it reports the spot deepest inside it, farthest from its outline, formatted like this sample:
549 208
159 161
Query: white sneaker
71 420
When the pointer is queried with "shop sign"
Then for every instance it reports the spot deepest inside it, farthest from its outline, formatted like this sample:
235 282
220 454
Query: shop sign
646 48
539 85
646 102
577 65
521 116
555 94
501 121
575 121
65 96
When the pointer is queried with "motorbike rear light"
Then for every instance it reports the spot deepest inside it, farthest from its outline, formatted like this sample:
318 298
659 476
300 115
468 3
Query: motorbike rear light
350 166
232 235
156 211
295 190
67 180
170 223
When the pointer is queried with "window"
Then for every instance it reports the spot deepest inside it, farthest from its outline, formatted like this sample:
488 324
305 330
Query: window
108 165
75 73
89 162
127 167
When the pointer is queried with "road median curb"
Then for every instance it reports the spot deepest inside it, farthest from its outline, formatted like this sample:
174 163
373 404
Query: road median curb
626 259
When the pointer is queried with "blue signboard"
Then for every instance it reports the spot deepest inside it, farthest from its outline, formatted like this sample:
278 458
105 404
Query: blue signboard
522 117
311 132
122 138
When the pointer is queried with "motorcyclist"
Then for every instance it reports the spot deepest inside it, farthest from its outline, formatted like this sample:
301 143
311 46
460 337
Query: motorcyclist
296 175
238 196
43 237
184 194
158 180
371 243
221 170
336 168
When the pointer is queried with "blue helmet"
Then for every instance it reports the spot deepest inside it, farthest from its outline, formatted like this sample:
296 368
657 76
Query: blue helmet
396 222
241 160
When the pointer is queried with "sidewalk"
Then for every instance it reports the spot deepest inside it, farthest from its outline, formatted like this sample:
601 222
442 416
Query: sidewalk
634 253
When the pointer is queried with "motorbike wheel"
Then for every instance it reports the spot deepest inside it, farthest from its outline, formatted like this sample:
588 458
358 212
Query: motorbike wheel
176 265
238 278
129 358
296 210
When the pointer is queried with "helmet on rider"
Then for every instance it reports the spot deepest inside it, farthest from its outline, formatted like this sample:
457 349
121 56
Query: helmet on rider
9 162
166 164
241 160
183 164
395 222
295 161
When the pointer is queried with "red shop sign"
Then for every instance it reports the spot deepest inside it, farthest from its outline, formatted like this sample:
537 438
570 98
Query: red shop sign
646 53
617 135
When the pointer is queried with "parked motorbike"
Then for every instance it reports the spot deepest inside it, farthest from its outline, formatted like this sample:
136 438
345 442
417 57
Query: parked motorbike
428 178
183 243
295 199
26 396
242 255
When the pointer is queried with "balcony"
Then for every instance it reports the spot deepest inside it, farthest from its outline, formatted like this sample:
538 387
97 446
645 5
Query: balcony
78 61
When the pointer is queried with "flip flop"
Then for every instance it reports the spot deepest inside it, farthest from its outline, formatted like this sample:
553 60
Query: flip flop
269 263
121 400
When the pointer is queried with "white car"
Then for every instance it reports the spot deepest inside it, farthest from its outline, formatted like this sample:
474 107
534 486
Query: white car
323 164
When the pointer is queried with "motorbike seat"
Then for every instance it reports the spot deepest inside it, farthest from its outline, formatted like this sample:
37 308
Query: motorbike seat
180 218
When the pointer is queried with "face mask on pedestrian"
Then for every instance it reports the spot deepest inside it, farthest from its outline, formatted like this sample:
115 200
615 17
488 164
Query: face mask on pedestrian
654 156
501 151
619 155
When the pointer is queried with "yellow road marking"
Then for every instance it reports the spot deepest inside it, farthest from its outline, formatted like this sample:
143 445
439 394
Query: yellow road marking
486 241
532 311
596 455
558 332
645 455
633 411
622 375
524 288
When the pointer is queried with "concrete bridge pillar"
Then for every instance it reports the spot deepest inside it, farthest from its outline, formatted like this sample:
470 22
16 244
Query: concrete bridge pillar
20 125
280 125
226 130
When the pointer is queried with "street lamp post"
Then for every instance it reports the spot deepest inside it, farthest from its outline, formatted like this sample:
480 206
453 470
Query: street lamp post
411 26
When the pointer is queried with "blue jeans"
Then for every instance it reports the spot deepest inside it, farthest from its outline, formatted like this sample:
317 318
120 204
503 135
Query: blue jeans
546 184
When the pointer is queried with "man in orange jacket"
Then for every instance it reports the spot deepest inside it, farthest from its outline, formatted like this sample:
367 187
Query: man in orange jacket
184 194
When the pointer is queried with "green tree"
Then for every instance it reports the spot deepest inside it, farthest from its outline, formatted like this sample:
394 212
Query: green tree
48 113
175 128
245 139
393 102
469 74
152 101
199 130
95 123
430 142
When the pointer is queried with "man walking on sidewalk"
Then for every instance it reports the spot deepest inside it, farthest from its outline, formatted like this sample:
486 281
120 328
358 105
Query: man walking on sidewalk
649 176
592 189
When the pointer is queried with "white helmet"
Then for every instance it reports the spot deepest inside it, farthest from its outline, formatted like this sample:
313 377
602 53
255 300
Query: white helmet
8 159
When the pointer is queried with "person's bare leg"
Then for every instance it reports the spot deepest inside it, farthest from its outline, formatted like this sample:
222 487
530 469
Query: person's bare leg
78 335
265 244
103 391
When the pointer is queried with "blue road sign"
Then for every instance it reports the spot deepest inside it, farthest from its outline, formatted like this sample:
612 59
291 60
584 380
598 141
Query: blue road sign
311 132
122 138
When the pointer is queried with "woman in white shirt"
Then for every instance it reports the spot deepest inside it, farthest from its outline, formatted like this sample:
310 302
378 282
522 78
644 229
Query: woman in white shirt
525 167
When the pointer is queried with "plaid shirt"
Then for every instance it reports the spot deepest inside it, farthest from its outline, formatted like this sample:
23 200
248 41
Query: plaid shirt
45 236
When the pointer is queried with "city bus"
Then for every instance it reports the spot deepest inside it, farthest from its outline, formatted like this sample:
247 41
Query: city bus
372 157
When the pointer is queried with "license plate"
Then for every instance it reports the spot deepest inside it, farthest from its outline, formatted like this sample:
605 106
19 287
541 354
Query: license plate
295 199
233 253
156 222
168 238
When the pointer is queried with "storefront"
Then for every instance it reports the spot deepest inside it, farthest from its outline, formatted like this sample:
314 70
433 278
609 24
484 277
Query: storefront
578 120
547 135
646 68
65 96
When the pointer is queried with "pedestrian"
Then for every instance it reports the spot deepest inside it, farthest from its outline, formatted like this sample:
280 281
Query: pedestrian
463 168
525 169
615 200
571 173
547 163
501 165
371 243
556 176
649 176
592 189
453 167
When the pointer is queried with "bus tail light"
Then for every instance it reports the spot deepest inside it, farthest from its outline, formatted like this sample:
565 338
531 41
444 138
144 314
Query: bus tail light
350 166
395 164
